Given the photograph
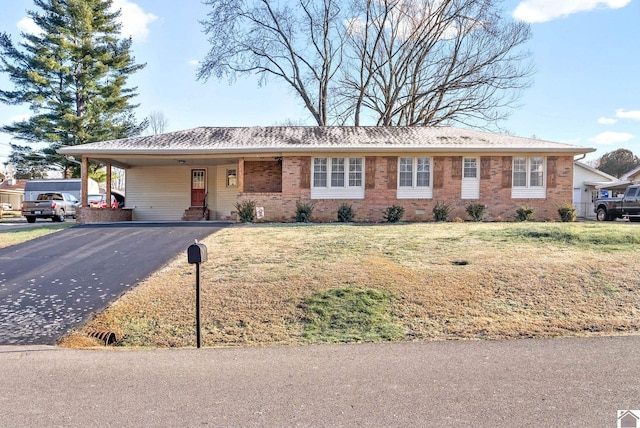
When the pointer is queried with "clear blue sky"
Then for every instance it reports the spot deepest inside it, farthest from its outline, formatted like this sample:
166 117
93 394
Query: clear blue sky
586 90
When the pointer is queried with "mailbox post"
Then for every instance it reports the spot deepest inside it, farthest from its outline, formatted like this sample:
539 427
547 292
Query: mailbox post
196 254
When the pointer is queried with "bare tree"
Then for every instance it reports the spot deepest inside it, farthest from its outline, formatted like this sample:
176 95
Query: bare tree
299 44
386 62
157 122
426 62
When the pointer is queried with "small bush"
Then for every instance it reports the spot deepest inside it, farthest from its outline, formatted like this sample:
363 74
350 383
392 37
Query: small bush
567 213
441 211
394 213
476 211
303 212
246 211
524 214
345 213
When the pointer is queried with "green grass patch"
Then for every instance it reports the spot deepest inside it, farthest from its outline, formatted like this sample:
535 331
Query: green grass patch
18 235
582 235
351 314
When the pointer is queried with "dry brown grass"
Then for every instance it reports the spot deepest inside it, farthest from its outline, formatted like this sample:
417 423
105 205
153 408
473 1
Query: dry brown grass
449 280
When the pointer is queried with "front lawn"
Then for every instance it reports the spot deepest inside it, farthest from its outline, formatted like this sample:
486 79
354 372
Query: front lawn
12 236
296 284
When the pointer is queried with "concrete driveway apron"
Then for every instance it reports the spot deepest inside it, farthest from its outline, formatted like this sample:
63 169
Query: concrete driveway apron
52 284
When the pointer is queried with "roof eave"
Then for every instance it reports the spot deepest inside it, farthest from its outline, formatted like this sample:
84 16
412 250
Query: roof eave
322 149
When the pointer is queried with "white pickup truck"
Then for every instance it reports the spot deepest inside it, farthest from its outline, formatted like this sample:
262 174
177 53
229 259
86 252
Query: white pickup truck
56 206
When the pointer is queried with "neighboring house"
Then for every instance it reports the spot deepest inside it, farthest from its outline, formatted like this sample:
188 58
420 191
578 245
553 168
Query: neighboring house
370 168
587 185
633 176
12 193
617 186
67 185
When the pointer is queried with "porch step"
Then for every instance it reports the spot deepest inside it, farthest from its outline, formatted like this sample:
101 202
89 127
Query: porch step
195 214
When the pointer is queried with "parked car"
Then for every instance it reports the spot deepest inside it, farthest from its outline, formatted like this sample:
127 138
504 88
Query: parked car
56 206
100 201
6 206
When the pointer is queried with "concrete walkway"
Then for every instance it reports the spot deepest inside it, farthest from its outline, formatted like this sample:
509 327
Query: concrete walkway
52 284
524 383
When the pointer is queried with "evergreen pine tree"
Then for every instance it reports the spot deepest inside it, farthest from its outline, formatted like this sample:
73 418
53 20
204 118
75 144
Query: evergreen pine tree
73 75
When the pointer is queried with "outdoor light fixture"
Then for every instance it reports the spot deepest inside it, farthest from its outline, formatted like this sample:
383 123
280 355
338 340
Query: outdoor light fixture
182 162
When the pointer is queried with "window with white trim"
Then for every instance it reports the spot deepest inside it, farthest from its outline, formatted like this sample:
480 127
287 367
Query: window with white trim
470 168
528 172
355 172
414 172
337 178
414 178
320 172
528 178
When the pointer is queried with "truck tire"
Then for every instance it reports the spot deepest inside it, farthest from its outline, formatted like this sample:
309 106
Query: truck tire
60 217
601 215
30 219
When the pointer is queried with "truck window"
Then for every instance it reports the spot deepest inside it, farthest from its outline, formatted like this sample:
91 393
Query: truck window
631 192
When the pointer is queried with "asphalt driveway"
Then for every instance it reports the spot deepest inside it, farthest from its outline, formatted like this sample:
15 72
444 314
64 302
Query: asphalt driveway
52 284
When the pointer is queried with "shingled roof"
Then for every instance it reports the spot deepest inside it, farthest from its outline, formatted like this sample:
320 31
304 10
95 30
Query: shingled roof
296 139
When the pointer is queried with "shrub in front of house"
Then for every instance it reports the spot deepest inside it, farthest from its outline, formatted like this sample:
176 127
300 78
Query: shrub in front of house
393 214
524 213
303 212
476 211
567 212
246 211
345 213
441 211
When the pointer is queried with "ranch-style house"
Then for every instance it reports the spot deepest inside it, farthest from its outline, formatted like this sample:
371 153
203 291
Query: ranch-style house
202 173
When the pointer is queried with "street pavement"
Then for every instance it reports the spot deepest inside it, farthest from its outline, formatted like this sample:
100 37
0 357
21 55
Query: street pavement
51 284
573 382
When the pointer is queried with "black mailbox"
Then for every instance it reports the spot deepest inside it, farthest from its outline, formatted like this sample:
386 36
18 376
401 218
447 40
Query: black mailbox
197 253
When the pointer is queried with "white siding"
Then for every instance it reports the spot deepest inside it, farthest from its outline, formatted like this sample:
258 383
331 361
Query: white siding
416 193
225 197
211 200
158 193
528 193
337 192
470 188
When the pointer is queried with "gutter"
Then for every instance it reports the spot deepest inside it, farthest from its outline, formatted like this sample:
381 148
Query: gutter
298 150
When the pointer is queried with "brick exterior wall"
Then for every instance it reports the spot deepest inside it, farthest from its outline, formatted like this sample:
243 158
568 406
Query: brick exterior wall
380 191
102 215
263 177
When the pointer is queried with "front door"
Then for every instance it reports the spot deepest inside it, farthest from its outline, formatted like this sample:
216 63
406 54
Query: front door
198 187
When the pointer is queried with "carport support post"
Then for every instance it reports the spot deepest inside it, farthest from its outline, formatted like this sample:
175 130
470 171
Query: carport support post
84 176
108 185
